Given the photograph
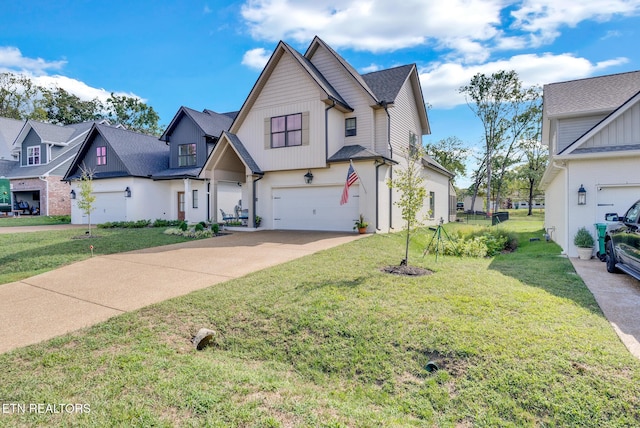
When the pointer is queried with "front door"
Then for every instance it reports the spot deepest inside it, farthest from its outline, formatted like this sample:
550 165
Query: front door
181 206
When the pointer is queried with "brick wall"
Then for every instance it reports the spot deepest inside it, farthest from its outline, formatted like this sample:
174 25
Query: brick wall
57 202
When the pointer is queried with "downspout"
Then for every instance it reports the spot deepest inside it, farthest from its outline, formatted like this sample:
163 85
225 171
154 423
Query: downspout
566 208
378 165
326 129
46 184
253 208
384 105
209 200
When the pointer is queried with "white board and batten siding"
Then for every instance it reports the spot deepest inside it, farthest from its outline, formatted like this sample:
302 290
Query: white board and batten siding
317 208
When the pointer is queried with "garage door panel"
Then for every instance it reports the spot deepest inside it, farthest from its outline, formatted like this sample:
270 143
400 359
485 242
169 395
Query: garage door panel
109 206
314 208
615 199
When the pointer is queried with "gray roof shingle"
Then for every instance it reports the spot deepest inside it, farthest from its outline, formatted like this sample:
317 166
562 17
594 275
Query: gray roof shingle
595 94
9 131
243 152
386 84
353 152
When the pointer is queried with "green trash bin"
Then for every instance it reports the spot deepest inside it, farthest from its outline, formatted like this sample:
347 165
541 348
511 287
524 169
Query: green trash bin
602 232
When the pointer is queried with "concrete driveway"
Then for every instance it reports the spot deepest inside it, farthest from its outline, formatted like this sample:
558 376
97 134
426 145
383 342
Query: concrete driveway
618 295
93 290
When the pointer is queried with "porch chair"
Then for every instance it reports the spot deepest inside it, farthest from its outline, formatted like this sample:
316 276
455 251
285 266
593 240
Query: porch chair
227 217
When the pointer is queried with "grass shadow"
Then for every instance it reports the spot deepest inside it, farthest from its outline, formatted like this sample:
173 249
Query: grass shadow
539 264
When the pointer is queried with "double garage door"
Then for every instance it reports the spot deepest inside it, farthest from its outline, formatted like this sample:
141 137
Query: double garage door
315 208
109 206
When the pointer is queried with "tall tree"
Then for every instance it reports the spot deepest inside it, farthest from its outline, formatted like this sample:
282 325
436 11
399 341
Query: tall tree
495 100
450 153
536 155
18 96
410 184
133 114
63 108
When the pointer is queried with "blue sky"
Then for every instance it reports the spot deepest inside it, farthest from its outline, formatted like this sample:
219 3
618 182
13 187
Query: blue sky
208 54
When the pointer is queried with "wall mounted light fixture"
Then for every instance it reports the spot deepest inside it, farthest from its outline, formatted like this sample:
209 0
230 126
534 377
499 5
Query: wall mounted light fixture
127 192
308 177
582 196
72 195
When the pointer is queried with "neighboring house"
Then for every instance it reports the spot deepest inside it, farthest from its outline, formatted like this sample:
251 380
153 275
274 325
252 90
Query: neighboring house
592 129
41 153
305 120
138 176
9 130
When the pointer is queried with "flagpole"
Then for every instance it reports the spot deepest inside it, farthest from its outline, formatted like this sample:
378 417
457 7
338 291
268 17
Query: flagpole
359 176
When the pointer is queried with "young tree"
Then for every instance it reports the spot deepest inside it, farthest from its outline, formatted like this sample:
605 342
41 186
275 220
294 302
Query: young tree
86 198
536 157
450 153
497 101
410 184
133 114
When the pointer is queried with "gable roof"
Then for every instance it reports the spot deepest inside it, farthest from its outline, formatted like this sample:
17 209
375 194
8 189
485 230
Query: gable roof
386 84
211 123
142 155
9 131
575 148
593 95
356 152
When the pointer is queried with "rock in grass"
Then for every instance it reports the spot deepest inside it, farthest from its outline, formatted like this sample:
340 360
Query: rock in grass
202 339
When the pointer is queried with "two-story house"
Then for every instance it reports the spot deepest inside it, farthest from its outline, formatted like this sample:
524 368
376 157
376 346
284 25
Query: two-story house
42 153
137 176
592 129
306 120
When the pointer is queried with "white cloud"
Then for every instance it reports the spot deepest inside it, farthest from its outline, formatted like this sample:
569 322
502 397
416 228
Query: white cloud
11 60
78 88
376 25
543 18
256 58
370 68
441 82
467 30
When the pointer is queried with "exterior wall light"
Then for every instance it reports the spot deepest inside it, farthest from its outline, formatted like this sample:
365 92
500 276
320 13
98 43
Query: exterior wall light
582 196
127 192
308 177
72 195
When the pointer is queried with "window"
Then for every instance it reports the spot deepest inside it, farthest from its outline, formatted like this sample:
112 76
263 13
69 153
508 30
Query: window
350 127
286 131
194 198
187 154
101 155
432 204
33 155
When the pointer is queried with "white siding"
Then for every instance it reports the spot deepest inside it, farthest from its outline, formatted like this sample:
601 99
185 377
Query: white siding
289 90
404 119
623 131
354 95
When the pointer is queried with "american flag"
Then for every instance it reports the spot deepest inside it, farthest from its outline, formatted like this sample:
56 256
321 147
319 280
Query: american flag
351 178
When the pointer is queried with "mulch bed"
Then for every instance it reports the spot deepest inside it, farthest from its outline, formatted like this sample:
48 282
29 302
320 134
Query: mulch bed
406 270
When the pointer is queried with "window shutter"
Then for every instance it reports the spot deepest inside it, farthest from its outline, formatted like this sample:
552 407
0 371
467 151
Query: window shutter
305 128
267 132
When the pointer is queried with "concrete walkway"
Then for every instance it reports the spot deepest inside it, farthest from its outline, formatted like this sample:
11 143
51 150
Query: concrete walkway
93 290
618 295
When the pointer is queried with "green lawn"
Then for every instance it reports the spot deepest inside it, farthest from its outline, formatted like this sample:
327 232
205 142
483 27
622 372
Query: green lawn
33 220
330 340
26 254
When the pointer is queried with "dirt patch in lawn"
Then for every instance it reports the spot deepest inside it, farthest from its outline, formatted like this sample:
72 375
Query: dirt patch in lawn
406 270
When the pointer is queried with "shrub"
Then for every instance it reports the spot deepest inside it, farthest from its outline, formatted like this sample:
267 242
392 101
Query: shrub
183 226
199 227
478 242
583 238
215 228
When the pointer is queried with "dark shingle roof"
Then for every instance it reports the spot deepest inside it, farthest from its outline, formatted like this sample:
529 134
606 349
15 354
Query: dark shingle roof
211 123
353 152
595 94
142 154
386 84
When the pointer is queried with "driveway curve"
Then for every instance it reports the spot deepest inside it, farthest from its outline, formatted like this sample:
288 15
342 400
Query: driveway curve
90 291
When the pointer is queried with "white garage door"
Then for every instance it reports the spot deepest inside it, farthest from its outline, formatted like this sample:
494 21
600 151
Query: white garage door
615 199
109 206
315 208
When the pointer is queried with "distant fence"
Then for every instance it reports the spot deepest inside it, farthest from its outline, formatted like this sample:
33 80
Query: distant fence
482 218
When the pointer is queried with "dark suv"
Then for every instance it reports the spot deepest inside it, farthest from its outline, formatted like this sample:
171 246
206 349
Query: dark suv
622 242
